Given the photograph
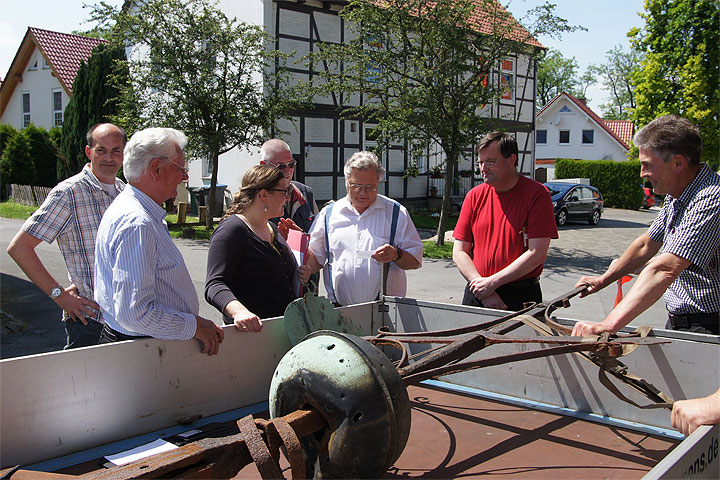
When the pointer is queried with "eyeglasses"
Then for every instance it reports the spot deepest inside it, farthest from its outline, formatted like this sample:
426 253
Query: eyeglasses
357 188
487 164
286 191
184 169
283 166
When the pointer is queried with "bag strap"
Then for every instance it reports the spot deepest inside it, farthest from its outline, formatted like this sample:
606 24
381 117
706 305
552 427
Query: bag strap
386 266
328 212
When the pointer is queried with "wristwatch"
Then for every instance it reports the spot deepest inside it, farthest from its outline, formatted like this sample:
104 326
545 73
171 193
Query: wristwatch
56 292
399 253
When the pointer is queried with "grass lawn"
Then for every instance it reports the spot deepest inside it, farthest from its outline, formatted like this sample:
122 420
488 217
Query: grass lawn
11 209
431 250
427 221
176 231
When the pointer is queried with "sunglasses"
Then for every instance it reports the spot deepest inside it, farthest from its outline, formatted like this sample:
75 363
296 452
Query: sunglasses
283 166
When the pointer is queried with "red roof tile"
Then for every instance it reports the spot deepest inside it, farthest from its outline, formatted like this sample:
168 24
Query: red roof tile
583 106
505 22
496 21
622 128
64 52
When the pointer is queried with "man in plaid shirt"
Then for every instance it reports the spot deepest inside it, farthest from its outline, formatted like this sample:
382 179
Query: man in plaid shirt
71 215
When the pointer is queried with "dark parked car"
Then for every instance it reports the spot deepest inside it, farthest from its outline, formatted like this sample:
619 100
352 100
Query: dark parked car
648 198
573 201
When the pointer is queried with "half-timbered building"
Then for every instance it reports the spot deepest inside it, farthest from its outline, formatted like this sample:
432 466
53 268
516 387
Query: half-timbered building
323 141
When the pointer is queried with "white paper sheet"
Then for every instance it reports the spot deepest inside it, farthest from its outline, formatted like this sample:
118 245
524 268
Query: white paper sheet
152 448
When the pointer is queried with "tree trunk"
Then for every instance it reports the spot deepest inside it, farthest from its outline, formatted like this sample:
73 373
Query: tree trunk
450 166
211 197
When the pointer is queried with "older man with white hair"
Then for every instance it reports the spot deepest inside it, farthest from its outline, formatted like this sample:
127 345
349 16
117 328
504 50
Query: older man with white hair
141 282
357 236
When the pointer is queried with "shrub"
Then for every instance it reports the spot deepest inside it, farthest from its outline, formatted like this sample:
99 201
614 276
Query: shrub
16 164
7 132
44 155
619 182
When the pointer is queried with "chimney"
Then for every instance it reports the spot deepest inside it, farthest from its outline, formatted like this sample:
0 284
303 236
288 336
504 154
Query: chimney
582 100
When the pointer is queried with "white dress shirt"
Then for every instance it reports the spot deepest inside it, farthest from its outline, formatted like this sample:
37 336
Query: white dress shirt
141 282
353 238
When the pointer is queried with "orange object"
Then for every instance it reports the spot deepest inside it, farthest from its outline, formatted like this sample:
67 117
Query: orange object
620 283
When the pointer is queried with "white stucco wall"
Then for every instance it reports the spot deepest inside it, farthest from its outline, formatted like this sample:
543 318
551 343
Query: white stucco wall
576 120
40 84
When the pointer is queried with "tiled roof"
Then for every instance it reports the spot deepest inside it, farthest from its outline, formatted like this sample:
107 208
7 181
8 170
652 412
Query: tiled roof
481 19
583 106
504 23
622 128
64 52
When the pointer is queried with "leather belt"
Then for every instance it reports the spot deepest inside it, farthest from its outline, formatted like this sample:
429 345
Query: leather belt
115 336
524 283
689 319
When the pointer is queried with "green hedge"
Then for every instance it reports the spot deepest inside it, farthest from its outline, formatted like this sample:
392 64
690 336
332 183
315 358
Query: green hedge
619 182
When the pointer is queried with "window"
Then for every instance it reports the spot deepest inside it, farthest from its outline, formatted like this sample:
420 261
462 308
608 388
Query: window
33 65
57 108
564 137
507 79
46 65
26 109
541 137
374 70
588 137
565 109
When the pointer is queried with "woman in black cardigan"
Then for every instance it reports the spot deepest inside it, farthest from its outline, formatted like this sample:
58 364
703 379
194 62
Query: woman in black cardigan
251 271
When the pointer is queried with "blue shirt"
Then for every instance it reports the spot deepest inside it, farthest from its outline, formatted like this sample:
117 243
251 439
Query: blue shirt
689 227
141 282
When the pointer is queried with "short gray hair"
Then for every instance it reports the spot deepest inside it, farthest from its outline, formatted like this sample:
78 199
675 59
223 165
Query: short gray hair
364 161
272 147
147 144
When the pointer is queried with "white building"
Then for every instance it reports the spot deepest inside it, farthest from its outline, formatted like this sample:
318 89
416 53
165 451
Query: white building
39 83
567 128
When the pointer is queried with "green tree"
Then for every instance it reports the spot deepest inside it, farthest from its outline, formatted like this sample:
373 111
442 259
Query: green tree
16 163
557 74
196 70
44 155
424 69
94 100
616 76
7 132
679 73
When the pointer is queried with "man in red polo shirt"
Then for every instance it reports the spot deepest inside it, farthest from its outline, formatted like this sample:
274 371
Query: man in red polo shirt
504 230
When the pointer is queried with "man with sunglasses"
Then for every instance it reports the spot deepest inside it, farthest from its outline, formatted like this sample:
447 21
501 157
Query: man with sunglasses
71 214
364 240
504 230
300 207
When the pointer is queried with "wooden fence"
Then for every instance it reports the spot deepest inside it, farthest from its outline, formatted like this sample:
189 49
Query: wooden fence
29 195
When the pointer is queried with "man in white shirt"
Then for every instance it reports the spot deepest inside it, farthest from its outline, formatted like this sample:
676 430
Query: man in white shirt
141 282
354 238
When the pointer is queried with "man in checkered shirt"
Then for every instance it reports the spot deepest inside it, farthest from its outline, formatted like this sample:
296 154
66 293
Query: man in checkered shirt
71 215
681 250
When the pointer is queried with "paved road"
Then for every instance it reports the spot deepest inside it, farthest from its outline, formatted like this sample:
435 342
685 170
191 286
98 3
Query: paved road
581 249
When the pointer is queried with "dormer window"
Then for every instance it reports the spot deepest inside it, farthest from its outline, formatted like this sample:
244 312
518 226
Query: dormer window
565 109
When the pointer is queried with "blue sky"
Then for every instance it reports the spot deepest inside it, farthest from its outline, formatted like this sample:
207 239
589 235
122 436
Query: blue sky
607 21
